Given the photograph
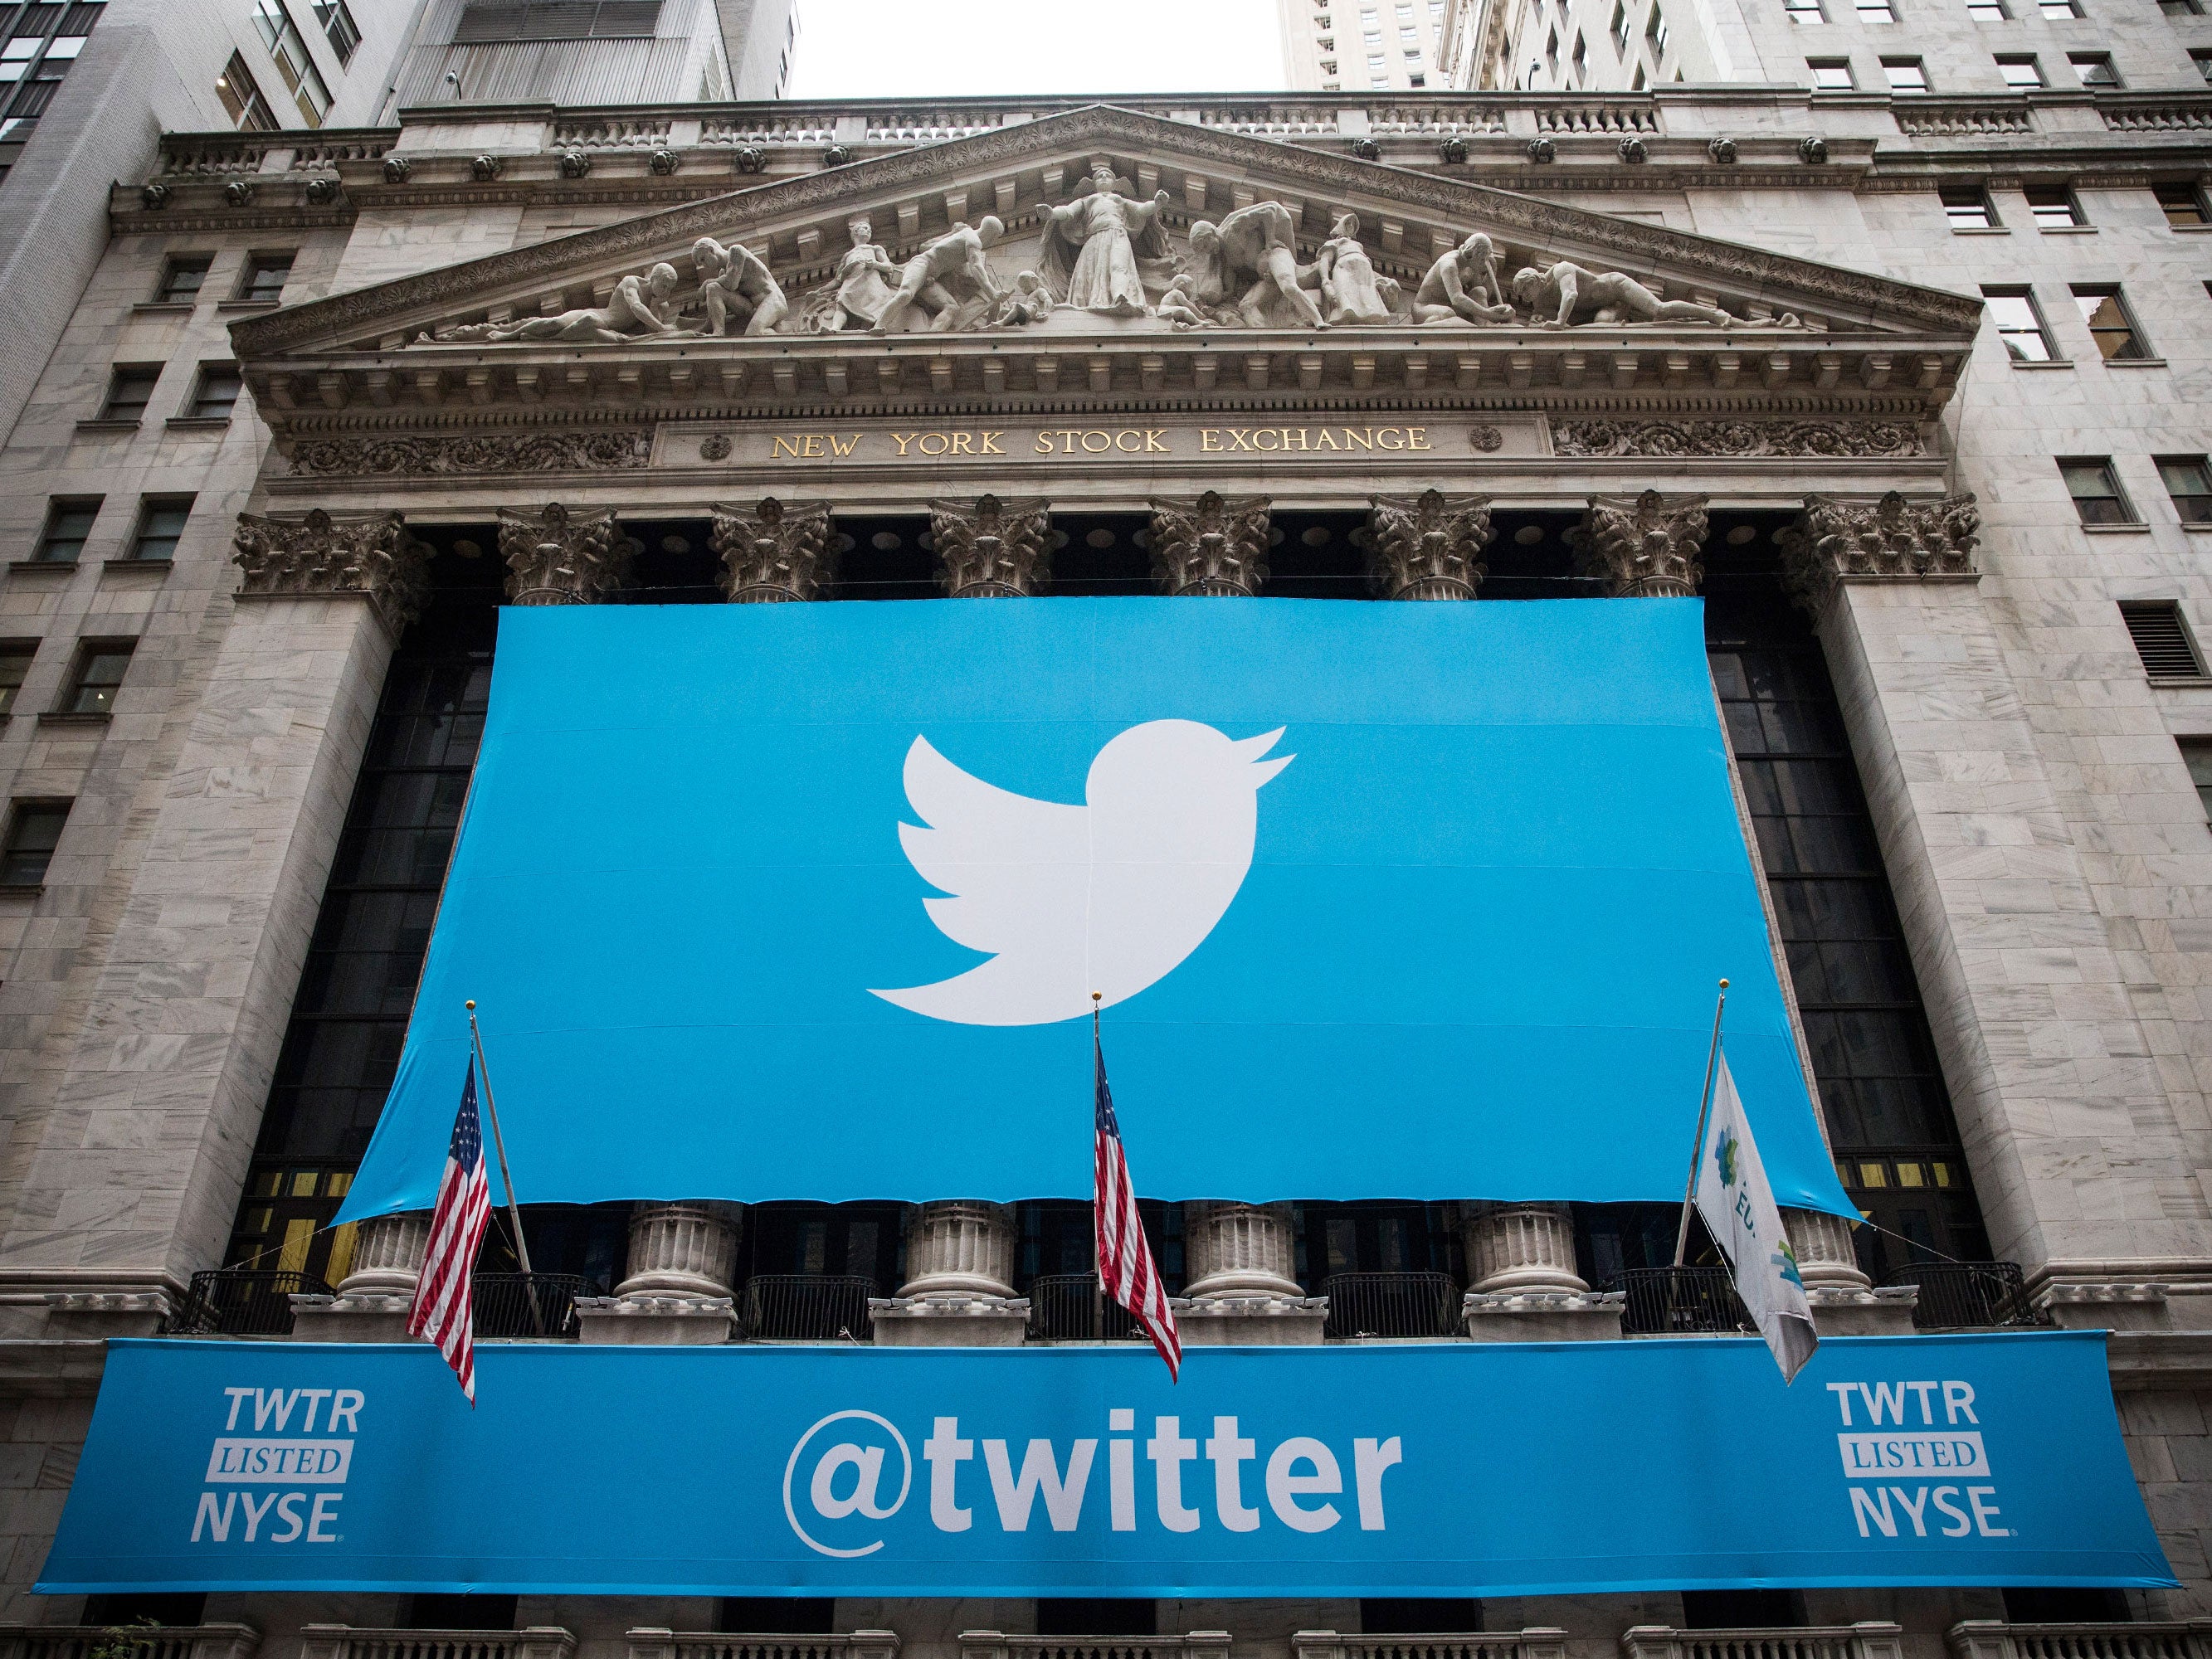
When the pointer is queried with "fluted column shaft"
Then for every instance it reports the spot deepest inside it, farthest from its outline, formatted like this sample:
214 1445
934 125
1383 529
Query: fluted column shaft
960 1247
1824 1254
681 1250
1521 1247
1238 1249
387 1255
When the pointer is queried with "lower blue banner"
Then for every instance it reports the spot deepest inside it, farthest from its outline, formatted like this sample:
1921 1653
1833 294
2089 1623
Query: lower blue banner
1397 1469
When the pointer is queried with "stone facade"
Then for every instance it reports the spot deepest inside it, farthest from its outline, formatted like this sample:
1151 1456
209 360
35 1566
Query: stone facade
541 413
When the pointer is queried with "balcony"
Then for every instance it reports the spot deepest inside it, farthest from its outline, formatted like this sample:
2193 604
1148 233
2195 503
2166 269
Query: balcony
1068 1308
163 1641
513 1306
1968 1296
651 1643
1872 1639
1537 1641
1992 1639
992 1644
805 1308
241 1302
1400 1306
1681 1301
365 1642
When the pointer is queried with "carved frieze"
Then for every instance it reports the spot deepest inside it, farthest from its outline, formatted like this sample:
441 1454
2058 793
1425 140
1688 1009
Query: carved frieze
1427 546
774 551
1214 545
371 555
561 556
992 548
1836 539
1647 546
536 451
1884 440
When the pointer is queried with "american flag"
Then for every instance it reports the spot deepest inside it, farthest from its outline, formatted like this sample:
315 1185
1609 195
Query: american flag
1126 1272
443 1310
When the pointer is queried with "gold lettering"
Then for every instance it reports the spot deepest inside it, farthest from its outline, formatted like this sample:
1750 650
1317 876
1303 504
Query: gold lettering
813 445
943 443
1323 440
991 444
1066 440
1417 437
1383 434
1274 432
1290 432
1359 437
840 448
963 443
1122 443
1238 437
1208 440
1105 443
1152 444
781 446
902 438
1044 443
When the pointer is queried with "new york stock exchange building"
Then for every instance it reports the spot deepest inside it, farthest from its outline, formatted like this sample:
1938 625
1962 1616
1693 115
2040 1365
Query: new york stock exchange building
1644 542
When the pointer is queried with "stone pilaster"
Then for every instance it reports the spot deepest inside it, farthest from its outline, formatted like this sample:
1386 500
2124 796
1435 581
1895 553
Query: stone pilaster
1427 546
959 1292
683 1258
563 556
1838 539
167 1047
993 549
1642 547
374 1298
1239 1276
774 552
1213 546
1523 1285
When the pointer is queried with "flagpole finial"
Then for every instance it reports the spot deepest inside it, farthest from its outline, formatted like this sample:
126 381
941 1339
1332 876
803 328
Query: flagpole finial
1098 996
470 1004
1724 987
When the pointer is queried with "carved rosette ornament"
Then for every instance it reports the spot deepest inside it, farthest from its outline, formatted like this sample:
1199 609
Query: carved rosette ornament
1211 546
371 554
774 552
1427 546
993 549
562 557
1836 539
1644 547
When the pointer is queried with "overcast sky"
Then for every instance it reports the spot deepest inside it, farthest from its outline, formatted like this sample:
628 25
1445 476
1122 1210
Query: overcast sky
951 48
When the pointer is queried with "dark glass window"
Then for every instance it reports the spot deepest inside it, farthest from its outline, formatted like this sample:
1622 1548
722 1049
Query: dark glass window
426 1611
866 1240
182 275
1742 1609
2020 325
2111 324
216 395
68 524
2094 69
129 389
2188 479
241 97
1419 1615
264 276
160 527
1372 1237
1967 208
177 1609
1101 1615
2095 489
14 668
2183 206
34 830
338 27
2197 751
2053 206
100 667
776 1615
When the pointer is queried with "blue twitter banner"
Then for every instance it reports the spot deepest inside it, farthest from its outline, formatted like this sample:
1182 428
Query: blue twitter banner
1377 1469
809 901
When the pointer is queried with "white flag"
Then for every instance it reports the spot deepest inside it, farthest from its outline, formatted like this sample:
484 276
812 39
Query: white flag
1738 1206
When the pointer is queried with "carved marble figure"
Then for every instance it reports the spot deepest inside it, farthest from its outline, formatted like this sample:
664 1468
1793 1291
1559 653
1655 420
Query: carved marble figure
1350 289
1564 293
867 278
1180 306
950 281
1250 260
640 307
1095 246
737 287
1029 300
1453 289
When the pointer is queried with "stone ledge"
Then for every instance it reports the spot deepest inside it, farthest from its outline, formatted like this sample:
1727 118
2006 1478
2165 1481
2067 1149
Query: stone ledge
681 1320
1845 1311
101 1314
1217 1321
2077 1305
2143 1360
949 1322
1543 1315
358 1317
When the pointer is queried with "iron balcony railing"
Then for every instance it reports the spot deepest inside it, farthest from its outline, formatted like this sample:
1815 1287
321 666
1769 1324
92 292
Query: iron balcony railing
242 1302
1679 1300
510 1305
1068 1308
1392 1305
807 1308
1967 1295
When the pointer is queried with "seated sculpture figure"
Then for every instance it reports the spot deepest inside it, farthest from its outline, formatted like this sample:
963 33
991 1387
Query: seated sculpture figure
1564 293
950 281
1453 289
1351 290
1249 257
735 286
640 307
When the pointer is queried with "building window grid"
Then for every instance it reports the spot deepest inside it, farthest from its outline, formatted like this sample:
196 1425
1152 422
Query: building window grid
15 658
129 389
98 676
2200 60
68 527
2111 325
161 520
240 96
182 274
2183 206
2053 207
2095 488
264 276
339 29
34 831
2188 480
215 397
47 39
287 50
1968 207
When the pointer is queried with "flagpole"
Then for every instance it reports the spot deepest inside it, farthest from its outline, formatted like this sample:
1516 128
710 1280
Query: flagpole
1697 1145
499 1141
1097 1266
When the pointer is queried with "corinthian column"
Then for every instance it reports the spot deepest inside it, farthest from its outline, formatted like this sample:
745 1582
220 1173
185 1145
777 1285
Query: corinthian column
1427 546
774 552
993 550
682 1259
1642 547
1212 546
563 556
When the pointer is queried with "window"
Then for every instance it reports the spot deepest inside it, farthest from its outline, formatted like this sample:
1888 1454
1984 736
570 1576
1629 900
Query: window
181 278
2182 204
2162 639
2188 479
301 78
1967 208
2198 754
242 99
1552 52
339 28
15 667
2201 61
264 276
1987 11
1620 29
1804 11
2111 324
2021 74
216 394
34 830
1580 58
2057 11
1876 11
100 669
1831 75
2053 207
129 388
2094 69
2181 8
2095 489
69 522
575 20
1905 73
2020 325
1654 31
160 524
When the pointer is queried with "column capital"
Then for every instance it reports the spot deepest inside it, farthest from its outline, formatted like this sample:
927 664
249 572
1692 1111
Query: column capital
994 549
1213 546
1643 547
774 551
369 554
1840 539
562 556
1427 546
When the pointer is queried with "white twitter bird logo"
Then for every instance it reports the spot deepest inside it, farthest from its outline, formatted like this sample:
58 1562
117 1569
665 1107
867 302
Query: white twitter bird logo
1108 896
